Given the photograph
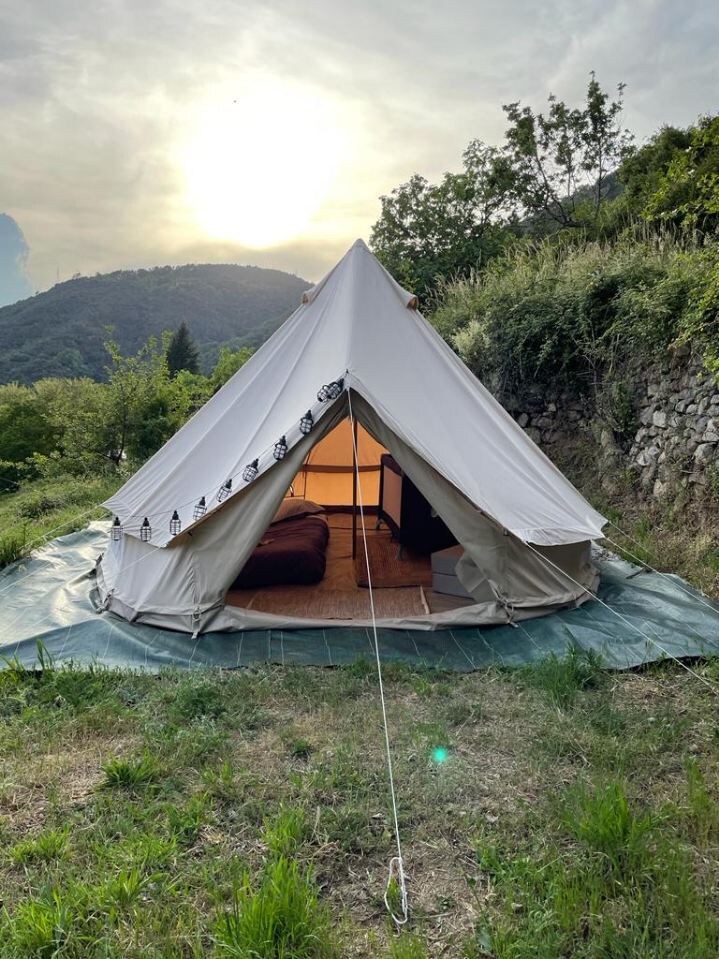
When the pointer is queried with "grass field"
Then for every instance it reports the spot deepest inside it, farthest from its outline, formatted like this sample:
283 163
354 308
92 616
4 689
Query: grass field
555 811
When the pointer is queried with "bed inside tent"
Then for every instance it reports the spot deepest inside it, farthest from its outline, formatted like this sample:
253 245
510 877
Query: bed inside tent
311 562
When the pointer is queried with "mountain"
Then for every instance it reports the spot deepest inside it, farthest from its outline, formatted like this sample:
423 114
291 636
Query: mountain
62 332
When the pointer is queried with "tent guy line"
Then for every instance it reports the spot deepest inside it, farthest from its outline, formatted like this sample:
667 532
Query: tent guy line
703 598
702 679
396 871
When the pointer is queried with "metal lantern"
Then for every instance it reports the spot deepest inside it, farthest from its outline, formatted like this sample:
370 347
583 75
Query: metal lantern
146 531
307 422
330 391
280 448
225 490
250 471
116 530
200 510
175 524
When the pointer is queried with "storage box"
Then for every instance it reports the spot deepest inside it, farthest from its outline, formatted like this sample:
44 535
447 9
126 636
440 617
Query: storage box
444 578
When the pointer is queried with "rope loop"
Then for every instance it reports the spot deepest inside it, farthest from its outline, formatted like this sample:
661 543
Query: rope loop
396 875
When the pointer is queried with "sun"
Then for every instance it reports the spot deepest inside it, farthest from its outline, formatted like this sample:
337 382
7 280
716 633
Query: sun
258 166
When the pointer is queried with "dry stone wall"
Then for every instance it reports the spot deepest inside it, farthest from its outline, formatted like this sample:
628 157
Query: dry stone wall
675 440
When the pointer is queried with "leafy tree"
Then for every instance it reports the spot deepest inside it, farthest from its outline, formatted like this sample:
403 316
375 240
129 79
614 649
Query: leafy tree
228 363
24 428
687 193
428 230
182 353
642 170
561 162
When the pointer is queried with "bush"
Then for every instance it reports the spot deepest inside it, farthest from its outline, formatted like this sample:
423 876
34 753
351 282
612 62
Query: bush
563 314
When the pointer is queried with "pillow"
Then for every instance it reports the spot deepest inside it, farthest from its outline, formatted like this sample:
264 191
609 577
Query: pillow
293 507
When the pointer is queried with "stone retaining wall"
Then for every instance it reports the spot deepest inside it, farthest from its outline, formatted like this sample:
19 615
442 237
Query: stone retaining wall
676 440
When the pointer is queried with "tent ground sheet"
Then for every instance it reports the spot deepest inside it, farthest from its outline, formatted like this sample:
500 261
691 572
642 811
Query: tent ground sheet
47 610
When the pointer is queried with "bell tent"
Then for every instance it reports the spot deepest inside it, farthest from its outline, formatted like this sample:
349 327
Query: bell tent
355 408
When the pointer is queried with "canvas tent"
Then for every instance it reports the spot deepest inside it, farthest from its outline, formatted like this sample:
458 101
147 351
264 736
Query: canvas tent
503 500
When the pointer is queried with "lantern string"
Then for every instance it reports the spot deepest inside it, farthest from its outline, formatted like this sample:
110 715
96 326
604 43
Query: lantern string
268 450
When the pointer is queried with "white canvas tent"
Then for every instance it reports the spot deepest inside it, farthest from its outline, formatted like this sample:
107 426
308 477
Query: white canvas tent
494 489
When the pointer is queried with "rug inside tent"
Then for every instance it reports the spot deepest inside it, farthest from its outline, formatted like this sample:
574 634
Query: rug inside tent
46 609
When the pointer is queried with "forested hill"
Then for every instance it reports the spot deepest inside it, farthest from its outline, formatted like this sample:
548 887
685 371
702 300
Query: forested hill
62 332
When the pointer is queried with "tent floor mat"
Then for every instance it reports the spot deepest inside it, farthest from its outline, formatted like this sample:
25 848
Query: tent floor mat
388 568
47 600
339 604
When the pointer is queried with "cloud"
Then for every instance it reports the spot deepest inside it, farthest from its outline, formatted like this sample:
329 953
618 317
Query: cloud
97 105
14 283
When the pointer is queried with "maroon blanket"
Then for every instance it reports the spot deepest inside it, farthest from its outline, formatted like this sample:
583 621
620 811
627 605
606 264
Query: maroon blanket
290 552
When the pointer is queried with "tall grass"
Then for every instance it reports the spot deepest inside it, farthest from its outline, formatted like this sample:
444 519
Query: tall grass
278 918
561 679
560 311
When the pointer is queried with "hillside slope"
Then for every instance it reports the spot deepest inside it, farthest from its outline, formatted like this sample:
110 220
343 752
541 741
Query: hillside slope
62 332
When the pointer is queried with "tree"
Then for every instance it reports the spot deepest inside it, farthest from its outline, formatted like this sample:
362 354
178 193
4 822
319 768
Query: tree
24 426
687 193
560 164
228 363
426 231
182 352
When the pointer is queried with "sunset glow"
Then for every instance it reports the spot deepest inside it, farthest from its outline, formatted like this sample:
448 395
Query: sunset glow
258 167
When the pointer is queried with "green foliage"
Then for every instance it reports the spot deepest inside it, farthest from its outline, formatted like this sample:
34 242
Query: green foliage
560 162
407 946
182 352
279 918
225 304
130 774
687 193
605 822
45 847
24 427
568 314
562 679
228 363
285 831
429 230
554 171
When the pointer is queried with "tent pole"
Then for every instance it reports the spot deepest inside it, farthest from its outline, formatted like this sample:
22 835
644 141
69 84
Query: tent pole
354 489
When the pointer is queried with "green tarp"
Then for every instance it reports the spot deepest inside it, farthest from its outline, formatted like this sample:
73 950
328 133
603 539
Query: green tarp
47 600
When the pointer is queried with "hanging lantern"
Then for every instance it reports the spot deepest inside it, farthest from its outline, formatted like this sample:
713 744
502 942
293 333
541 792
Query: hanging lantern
280 448
306 423
116 530
146 531
200 510
225 490
175 524
250 471
330 391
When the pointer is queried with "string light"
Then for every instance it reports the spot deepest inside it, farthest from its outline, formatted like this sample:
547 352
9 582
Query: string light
146 531
175 524
225 490
280 448
116 530
250 471
199 510
330 391
307 422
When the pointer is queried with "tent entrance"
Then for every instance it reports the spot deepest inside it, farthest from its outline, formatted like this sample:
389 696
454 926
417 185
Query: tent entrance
339 595
399 559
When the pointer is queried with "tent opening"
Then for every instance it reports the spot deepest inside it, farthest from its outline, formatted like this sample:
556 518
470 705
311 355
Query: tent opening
310 563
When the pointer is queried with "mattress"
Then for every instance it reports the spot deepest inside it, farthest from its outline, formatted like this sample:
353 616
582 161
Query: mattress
291 552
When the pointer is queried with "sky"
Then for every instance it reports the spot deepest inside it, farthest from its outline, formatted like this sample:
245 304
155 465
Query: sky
146 132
